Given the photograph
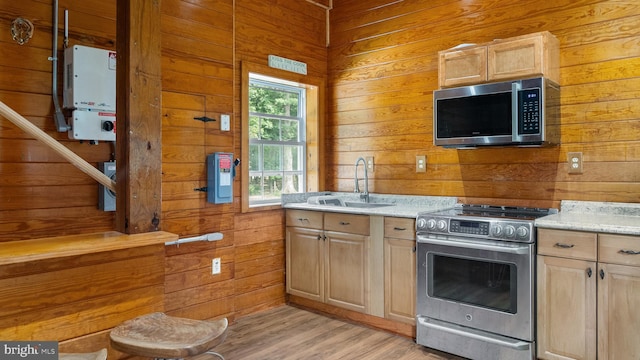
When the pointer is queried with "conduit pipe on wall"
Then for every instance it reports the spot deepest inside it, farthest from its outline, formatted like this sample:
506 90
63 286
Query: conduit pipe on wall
58 116
63 151
327 9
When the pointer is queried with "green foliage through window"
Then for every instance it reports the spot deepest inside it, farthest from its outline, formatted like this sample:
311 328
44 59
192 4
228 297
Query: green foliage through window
276 140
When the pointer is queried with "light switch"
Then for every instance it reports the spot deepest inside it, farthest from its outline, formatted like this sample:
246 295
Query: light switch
421 163
369 160
225 122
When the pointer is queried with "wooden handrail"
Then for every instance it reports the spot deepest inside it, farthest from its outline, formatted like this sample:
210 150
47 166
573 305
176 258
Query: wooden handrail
62 150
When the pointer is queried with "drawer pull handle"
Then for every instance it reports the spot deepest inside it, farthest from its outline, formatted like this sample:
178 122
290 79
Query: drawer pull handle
303 219
629 252
564 246
399 228
589 272
344 223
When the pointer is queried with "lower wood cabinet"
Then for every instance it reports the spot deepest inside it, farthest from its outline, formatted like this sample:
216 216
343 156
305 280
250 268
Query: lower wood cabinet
327 258
357 262
588 295
305 263
400 269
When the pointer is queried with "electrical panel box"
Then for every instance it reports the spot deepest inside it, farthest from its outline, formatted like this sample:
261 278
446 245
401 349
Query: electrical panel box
90 91
220 178
106 197
93 125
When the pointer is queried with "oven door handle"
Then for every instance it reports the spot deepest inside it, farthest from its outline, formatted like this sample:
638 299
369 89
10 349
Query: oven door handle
518 250
510 343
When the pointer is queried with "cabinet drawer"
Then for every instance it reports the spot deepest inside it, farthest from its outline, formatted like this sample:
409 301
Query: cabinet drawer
399 228
569 244
353 224
304 218
619 249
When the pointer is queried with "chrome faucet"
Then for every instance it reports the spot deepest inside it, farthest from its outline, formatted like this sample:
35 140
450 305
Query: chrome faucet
356 188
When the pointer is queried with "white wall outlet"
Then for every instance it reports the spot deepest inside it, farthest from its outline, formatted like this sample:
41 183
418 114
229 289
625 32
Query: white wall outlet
575 162
421 163
369 160
216 266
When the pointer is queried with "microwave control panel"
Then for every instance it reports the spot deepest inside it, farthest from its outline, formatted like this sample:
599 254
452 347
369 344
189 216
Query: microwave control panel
529 111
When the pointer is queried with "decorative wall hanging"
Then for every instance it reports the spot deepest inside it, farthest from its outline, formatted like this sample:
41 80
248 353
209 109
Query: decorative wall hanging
21 30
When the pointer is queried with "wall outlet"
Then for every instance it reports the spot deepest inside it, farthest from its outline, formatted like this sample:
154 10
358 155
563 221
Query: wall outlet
369 160
575 162
421 163
215 266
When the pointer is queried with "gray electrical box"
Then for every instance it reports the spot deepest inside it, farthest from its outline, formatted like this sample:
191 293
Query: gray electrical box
106 197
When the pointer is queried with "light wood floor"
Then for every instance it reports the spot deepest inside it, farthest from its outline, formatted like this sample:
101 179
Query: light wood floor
287 332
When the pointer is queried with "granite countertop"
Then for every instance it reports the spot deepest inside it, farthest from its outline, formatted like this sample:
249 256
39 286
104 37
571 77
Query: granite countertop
407 206
602 217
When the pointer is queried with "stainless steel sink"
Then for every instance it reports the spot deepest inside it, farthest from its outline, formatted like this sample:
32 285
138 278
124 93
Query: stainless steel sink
355 204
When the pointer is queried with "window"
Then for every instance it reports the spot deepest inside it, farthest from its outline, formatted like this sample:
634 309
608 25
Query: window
277 128
282 135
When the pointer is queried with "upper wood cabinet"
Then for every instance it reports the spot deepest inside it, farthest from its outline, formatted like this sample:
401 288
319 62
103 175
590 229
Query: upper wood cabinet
462 66
536 54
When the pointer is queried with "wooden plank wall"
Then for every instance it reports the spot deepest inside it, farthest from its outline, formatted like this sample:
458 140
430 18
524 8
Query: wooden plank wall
42 195
383 69
78 299
203 45
294 30
197 81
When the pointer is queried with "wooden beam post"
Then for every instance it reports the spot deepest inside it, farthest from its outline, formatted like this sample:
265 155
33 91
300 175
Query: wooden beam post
139 117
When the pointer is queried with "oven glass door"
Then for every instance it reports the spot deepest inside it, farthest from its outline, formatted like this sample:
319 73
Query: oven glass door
486 283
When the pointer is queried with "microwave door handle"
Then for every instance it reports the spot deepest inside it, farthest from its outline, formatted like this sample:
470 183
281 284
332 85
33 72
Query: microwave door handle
515 87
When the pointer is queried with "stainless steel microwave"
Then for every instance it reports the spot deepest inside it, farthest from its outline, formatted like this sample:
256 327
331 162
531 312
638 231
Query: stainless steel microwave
511 113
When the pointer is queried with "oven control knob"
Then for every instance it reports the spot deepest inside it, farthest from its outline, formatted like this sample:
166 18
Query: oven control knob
431 224
442 225
509 231
522 231
496 230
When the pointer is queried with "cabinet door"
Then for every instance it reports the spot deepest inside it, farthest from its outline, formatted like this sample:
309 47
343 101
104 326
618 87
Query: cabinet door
618 311
347 270
400 280
462 67
566 308
305 272
524 56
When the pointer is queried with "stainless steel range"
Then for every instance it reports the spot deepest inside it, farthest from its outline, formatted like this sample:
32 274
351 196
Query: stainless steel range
476 278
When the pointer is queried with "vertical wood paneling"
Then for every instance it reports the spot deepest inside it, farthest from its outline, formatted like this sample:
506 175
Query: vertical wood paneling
383 70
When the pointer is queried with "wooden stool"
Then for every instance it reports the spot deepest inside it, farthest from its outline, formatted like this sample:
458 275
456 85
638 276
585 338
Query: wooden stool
98 355
160 336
